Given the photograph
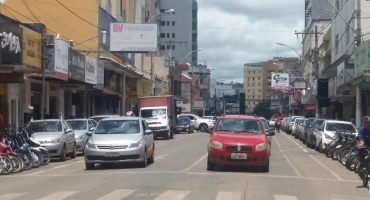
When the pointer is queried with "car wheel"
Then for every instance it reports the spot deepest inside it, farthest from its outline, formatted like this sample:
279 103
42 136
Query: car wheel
73 154
144 163
168 135
89 166
172 135
203 128
63 156
192 130
266 168
210 165
320 147
151 158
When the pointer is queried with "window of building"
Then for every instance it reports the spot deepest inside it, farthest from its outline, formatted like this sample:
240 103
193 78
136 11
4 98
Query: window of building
173 35
163 23
168 46
163 47
249 72
168 23
173 47
173 23
259 84
254 72
163 35
259 78
168 35
248 90
252 78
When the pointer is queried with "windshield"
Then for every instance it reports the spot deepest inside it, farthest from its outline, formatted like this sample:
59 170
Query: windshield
239 126
335 126
78 125
318 123
118 127
309 122
264 123
44 126
183 121
154 113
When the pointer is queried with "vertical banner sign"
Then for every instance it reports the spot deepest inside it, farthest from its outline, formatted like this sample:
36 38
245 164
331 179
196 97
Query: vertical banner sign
279 81
76 66
100 76
61 59
91 70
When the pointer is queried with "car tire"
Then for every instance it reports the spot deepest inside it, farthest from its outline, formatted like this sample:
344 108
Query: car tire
74 153
63 156
172 136
266 168
203 127
168 136
210 165
189 131
144 163
89 166
151 158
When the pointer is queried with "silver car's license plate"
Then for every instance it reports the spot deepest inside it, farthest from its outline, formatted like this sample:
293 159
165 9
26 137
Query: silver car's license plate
112 154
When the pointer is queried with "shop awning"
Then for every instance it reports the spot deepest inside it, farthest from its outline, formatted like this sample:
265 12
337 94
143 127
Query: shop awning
111 64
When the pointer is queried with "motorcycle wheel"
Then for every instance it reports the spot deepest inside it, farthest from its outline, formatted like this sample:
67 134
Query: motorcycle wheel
28 161
37 158
330 151
349 161
22 162
339 153
334 155
45 156
365 177
17 163
344 156
6 164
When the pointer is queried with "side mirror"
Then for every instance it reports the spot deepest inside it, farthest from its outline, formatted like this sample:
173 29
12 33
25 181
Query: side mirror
69 130
92 129
148 132
89 134
271 133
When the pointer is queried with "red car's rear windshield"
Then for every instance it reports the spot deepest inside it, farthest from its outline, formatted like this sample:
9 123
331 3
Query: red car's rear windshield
245 126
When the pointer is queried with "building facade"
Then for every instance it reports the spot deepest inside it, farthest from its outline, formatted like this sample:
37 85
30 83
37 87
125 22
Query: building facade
252 83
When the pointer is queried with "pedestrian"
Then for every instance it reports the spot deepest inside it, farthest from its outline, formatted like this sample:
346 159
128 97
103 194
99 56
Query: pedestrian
364 137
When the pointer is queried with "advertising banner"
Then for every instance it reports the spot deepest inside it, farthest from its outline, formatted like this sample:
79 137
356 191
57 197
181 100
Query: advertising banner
91 70
134 38
76 66
279 80
100 76
31 47
61 59
11 41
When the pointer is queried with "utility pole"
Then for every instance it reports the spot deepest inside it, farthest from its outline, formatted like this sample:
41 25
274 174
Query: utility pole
358 89
358 19
44 65
171 65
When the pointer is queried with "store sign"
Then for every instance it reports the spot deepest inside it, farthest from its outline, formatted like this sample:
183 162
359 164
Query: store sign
279 81
76 66
31 47
100 76
91 66
134 38
307 107
61 59
10 43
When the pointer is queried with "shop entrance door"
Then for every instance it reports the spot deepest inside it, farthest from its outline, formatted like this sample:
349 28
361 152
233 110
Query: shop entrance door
53 107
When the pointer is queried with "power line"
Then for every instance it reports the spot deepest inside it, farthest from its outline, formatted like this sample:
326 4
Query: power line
77 15
29 10
10 13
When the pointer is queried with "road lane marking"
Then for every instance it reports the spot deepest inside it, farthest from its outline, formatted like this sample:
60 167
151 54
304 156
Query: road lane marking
34 173
228 196
59 195
195 163
11 196
284 197
173 195
325 167
117 195
161 157
292 166
305 150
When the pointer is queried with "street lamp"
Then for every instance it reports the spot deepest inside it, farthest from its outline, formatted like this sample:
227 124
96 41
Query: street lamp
167 11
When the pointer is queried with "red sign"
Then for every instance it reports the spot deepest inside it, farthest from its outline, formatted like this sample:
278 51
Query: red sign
307 107
117 27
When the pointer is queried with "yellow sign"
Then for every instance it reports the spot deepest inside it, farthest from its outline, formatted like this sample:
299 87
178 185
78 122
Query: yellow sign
31 47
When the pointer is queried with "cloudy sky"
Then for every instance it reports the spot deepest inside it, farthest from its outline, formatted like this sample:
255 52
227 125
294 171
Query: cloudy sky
234 32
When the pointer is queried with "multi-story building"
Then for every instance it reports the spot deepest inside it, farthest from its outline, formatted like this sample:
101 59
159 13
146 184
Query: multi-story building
176 36
252 83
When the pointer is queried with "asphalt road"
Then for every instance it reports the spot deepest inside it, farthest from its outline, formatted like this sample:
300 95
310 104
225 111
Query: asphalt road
179 173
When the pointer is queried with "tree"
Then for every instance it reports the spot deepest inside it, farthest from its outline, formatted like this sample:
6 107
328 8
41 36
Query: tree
263 110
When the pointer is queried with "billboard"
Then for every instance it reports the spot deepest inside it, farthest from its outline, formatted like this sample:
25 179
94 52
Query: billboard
279 80
133 38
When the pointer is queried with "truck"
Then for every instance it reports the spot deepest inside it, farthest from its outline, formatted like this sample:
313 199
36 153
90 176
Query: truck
160 113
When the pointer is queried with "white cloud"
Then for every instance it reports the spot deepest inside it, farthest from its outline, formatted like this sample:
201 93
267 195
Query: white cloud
235 32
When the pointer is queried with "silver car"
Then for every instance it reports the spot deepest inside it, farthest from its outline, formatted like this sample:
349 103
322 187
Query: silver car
81 127
56 135
120 139
97 118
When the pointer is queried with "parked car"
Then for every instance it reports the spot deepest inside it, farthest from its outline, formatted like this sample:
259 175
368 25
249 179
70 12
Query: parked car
290 123
312 131
284 124
299 126
118 140
200 124
56 135
239 140
81 127
305 127
294 125
97 118
184 125
327 130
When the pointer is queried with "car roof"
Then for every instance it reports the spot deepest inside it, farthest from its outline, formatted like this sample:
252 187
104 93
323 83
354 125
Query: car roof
121 118
76 119
46 120
239 117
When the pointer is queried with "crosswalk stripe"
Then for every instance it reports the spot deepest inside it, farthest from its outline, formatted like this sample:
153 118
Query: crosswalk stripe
11 196
228 196
117 195
284 197
59 195
173 195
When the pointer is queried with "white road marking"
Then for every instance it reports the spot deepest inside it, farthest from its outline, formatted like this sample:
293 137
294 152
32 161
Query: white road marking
325 167
35 173
59 195
117 195
173 195
161 157
305 150
195 163
62 166
11 196
284 197
292 166
228 196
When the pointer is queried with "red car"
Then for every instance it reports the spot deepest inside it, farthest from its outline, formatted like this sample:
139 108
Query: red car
239 140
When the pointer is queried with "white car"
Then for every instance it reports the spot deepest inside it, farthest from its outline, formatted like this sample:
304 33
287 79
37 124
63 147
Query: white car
295 124
200 124
272 122
327 131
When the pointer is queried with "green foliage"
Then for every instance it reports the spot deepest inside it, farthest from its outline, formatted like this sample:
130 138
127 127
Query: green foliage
263 110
